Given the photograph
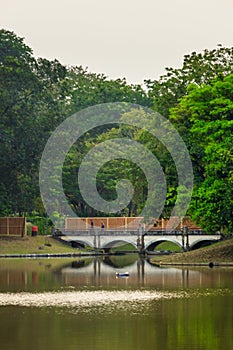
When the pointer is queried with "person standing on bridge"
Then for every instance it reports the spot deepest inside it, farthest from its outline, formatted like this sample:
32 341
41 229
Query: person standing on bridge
140 228
102 225
91 230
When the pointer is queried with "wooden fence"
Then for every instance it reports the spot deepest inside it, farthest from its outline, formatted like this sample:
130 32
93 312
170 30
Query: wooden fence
132 223
13 226
161 224
111 223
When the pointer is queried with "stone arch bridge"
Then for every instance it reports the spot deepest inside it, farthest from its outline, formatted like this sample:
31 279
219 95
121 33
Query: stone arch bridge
142 241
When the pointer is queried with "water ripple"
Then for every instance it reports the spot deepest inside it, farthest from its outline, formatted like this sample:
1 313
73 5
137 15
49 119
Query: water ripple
81 298
100 298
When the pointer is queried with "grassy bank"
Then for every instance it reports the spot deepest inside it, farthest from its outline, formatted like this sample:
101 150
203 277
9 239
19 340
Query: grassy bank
218 252
33 245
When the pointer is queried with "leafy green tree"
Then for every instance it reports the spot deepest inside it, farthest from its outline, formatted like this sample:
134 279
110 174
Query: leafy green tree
206 115
197 68
122 168
36 95
28 109
89 89
17 81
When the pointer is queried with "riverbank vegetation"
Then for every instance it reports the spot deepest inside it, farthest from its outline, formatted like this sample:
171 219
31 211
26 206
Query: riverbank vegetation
36 95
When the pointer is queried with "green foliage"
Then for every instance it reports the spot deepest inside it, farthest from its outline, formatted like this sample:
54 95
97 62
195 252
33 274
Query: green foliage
89 89
121 168
207 113
44 224
197 69
26 109
36 95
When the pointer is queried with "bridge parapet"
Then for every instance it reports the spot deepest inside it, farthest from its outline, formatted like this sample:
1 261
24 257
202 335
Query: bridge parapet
126 232
97 232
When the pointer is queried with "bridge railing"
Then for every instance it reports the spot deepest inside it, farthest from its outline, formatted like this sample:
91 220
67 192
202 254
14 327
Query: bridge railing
124 232
175 232
99 232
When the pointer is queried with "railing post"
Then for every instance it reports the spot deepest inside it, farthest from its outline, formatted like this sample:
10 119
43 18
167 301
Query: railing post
140 239
182 231
7 226
98 239
94 239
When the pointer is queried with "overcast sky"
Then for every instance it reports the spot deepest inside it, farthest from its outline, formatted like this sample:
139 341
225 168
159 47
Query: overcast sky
121 38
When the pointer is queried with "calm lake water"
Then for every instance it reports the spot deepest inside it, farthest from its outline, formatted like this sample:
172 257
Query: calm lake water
81 304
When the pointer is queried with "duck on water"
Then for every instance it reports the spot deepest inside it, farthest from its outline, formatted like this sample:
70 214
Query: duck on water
122 274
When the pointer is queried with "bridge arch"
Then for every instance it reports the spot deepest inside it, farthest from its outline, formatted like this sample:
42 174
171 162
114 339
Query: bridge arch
75 243
201 243
152 245
115 242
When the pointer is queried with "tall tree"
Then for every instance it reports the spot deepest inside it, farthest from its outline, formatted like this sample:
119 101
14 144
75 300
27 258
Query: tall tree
205 117
197 68
28 109
36 95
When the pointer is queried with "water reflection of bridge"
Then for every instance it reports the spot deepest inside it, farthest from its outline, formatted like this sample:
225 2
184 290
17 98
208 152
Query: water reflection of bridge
142 273
100 272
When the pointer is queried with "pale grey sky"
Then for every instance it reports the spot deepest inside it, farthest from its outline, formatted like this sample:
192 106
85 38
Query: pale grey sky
122 38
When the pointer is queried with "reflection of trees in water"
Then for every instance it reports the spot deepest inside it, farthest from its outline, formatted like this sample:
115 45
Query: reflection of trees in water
76 264
121 260
79 263
116 261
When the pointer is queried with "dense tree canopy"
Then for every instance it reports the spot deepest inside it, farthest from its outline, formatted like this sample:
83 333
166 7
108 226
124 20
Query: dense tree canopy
197 68
36 95
205 115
